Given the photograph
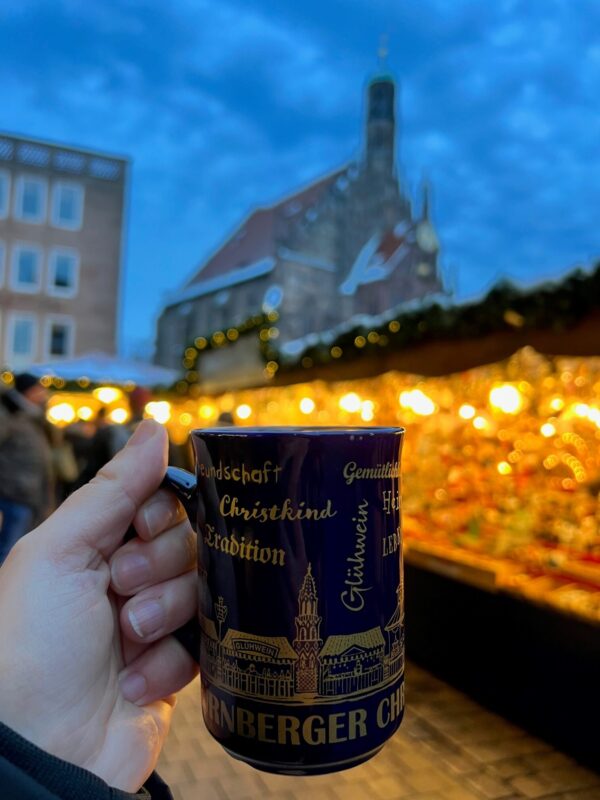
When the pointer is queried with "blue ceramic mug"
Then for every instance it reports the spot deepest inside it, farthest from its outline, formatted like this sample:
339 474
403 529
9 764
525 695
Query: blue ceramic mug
300 592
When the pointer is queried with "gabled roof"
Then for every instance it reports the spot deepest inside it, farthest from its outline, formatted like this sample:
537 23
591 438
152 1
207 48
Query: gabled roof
256 270
254 239
365 640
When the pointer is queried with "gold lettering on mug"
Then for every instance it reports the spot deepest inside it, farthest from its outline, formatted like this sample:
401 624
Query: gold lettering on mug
243 547
353 596
391 501
391 543
285 729
288 729
352 472
230 507
242 474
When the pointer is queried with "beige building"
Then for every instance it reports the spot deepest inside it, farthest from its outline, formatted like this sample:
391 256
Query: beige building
61 230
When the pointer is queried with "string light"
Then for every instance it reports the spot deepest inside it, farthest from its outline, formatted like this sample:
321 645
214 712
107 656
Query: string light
243 411
159 410
107 394
350 402
307 405
547 430
418 402
466 411
119 415
506 398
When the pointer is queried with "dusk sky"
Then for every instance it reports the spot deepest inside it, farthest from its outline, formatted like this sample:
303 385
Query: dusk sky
226 105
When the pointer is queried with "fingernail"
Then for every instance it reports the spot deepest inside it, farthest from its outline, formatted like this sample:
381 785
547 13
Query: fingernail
130 570
144 431
160 515
146 617
133 686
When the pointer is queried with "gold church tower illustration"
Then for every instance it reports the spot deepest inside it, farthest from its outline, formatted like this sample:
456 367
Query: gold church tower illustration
308 642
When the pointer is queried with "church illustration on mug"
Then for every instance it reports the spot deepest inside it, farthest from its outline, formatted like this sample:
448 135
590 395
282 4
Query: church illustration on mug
307 669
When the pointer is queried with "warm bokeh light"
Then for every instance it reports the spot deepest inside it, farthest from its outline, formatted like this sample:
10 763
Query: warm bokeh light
547 430
307 405
159 410
506 398
504 468
119 415
418 402
206 411
85 413
466 411
350 402
557 404
581 409
61 413
367 411
243 411
480 423
107 394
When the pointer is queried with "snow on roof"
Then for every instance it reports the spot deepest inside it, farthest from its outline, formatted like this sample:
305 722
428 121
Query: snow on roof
290 351
224 281
104 368
304 258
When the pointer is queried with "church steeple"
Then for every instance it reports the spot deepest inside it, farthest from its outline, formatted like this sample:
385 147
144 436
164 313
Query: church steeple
426 199
308 642
381 118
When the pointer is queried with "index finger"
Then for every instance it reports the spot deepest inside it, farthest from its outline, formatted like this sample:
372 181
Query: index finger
161 512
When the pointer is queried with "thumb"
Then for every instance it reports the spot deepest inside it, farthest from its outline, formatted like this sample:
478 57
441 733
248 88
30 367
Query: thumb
93 520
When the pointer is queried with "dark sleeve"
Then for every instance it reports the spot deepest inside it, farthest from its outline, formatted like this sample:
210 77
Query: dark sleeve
28 773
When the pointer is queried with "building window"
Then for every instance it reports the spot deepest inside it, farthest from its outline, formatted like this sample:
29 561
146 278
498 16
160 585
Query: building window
67 205
26 268
21 338
4 193
63 273
59 338
30 199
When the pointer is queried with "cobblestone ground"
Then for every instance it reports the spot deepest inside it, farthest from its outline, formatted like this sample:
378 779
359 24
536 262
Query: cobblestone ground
448 748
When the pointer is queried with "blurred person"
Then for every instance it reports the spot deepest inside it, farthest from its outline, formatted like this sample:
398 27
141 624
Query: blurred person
26 473
225 420
106 442
138 400
88 681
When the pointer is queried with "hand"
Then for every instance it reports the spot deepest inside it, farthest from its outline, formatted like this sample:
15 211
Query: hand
87 666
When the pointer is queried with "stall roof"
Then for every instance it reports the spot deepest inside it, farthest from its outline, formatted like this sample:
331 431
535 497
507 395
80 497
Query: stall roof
104 368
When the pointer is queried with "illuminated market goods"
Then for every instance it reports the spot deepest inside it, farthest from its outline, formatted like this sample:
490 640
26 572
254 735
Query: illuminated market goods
501 464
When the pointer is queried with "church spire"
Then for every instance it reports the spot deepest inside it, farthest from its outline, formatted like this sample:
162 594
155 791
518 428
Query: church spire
308 641
383 52
381 117
426 199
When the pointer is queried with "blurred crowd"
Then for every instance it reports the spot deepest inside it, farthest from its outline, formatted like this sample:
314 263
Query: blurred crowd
41 464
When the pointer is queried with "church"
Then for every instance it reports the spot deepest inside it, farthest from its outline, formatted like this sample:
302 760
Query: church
348 244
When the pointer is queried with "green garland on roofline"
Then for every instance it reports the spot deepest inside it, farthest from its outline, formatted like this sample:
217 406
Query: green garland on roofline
556 306
263 324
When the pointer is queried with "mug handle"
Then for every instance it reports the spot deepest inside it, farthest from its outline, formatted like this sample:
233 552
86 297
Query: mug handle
183 485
